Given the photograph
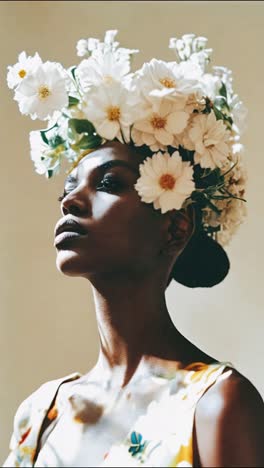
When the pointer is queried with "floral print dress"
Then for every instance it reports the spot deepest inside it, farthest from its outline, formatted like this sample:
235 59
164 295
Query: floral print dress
70 422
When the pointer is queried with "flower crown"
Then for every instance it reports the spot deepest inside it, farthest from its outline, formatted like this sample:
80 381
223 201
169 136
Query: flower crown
187 120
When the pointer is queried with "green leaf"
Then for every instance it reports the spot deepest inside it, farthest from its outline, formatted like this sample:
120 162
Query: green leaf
81 126
223 90
73 71
55 141
218 113
49 173
73 101
46 130
88 142
43 136
221 102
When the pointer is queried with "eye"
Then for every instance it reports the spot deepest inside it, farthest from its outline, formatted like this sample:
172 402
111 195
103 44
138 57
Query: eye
109 183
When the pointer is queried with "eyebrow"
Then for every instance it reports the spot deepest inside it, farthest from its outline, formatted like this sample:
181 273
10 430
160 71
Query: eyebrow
107 165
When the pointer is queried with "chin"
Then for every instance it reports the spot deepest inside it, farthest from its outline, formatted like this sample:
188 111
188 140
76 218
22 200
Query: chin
70 263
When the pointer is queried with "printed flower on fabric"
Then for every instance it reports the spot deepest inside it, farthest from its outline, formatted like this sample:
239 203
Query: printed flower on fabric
210 141
22 68
119 456
158 128
166 181
112 109
43 92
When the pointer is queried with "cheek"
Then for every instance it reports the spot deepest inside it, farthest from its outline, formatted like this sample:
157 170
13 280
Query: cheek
124 233
129 227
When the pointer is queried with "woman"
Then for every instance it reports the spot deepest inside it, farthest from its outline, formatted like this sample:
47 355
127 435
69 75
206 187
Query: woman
153 398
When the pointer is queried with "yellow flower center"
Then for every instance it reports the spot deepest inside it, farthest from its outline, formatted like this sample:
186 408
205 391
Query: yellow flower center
108 79
113 113
167 82
205 142
158 122
167 181
44 92
22 73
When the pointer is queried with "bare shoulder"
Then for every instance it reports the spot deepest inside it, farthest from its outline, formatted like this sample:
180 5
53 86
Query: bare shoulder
229 421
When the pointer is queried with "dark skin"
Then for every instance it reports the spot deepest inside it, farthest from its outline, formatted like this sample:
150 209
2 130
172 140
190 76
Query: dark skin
127 257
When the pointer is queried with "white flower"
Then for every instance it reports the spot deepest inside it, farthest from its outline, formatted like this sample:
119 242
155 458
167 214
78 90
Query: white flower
106 63
232 216
210 85
86 46
239 114
158 79
104 69
43 92
190 47
112 109
225 75
237 176
44 157
22 68
209 137
165 181
157 130
233 211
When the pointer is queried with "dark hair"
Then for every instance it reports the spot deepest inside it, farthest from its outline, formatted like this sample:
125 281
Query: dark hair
202 264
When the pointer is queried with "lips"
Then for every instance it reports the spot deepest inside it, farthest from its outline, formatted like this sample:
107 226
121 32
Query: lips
70 225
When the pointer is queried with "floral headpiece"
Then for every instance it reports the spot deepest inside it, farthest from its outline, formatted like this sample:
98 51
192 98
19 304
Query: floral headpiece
188 120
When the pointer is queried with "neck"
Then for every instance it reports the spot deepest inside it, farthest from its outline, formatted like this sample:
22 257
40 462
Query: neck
134 325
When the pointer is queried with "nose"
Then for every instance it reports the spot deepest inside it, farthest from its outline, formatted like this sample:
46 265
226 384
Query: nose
76 203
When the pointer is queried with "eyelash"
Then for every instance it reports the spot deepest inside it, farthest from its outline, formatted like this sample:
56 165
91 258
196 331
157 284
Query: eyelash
113 186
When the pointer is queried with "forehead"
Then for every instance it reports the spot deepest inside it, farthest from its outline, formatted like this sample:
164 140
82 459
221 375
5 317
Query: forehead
109 152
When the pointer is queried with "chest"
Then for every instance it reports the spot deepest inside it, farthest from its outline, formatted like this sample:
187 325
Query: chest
92 425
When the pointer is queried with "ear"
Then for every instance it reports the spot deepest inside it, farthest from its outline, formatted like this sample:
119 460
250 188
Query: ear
180 228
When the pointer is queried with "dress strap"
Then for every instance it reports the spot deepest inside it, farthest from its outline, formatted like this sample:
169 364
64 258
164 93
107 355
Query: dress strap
198 379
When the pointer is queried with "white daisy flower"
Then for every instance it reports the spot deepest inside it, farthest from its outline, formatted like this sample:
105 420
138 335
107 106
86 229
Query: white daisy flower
166 181
112 109
157 130
22 68
43 92
209 137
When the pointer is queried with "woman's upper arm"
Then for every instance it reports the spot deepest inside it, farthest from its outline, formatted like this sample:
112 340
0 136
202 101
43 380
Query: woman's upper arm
229 424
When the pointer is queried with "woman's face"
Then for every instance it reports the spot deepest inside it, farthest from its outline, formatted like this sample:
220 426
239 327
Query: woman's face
117 231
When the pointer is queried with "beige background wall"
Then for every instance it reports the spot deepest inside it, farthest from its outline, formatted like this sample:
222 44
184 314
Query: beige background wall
48 328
